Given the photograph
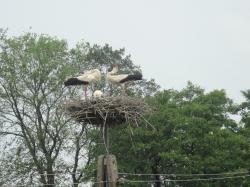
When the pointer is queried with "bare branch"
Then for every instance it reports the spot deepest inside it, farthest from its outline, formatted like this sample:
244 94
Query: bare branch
11 133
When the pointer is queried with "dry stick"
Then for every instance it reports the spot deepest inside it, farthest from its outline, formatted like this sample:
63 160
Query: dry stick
105 136
147 121
130 129
132 142
136 123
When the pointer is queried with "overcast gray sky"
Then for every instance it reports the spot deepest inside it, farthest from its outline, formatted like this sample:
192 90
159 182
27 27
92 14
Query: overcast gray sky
204 41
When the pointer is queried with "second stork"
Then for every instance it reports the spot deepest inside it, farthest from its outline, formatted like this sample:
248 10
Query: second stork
121 79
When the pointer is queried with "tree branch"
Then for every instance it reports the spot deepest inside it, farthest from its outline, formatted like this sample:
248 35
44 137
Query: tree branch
10 133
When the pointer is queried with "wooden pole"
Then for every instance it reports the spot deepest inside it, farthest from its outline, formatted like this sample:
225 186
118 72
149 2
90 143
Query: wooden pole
112 173
107 173
100 171
106 141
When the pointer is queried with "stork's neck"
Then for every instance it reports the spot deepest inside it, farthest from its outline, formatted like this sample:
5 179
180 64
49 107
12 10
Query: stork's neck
114 70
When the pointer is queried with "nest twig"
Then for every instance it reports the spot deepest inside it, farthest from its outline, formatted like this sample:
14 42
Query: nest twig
111 111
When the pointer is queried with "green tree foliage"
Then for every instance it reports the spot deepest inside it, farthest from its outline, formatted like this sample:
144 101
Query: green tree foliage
32 70
244 111
193 134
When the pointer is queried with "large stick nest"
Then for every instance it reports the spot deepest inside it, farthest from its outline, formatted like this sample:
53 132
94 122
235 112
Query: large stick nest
111 111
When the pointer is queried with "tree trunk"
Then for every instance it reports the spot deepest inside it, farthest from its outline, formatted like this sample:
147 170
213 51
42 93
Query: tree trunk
50 176
51 181
155 171
158 181
75 181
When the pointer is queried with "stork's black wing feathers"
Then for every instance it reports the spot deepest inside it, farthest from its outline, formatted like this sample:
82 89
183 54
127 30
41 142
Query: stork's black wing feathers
74 81
132 78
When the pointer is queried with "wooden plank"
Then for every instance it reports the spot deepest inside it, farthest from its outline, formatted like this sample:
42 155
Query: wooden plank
112 170
100 171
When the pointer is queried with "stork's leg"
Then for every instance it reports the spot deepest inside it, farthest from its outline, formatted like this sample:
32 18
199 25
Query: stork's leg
124 91
85 91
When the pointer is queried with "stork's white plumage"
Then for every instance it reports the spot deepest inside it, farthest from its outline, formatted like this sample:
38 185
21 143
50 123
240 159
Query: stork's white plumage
98 94
121 79
86 78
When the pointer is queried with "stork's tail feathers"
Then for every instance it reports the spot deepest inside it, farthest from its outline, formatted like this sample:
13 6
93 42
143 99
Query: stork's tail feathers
74 81
132 78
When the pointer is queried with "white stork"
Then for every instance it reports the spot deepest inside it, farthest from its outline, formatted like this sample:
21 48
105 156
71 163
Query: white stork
86 78
121 79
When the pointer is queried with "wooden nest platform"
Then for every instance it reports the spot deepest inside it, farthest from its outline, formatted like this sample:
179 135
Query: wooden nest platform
110 111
